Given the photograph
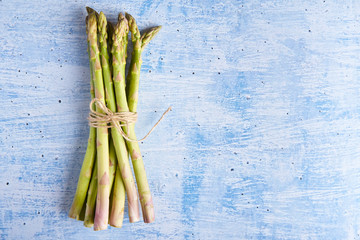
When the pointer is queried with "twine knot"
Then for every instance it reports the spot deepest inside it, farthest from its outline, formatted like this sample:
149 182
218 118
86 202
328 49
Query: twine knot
108 119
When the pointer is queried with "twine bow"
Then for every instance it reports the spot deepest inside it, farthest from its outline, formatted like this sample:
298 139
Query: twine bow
109 119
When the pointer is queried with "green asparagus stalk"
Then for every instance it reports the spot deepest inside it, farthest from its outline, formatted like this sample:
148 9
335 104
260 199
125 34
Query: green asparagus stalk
103 36
91 200
118 193
118 201
110 33
112 171
119 143
92 192
82 213
139 42
109 86
89 159
125 38
102 200
112 166
112 163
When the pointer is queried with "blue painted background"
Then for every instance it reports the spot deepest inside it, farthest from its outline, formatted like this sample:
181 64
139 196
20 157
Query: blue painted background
262 142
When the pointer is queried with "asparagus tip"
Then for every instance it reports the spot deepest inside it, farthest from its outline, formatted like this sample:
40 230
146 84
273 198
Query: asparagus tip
89 10
135 33
120 30
146 37
121 16
102 27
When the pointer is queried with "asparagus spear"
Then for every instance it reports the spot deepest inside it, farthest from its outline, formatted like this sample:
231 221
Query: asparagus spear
118 63
102 200
139 42
118 201
92 192
103 36
112 170
118 194
89 159
109 87
119 143
110 33
112 163
91 200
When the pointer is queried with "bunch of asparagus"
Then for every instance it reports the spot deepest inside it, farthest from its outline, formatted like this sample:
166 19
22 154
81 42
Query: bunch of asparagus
106 175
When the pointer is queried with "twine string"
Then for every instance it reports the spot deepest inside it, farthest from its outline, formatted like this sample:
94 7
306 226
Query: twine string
108 119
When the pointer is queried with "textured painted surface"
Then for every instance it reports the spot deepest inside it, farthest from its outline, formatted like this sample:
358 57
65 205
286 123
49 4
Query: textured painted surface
262 142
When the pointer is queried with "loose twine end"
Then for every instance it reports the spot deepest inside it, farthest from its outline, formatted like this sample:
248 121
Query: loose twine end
105 118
